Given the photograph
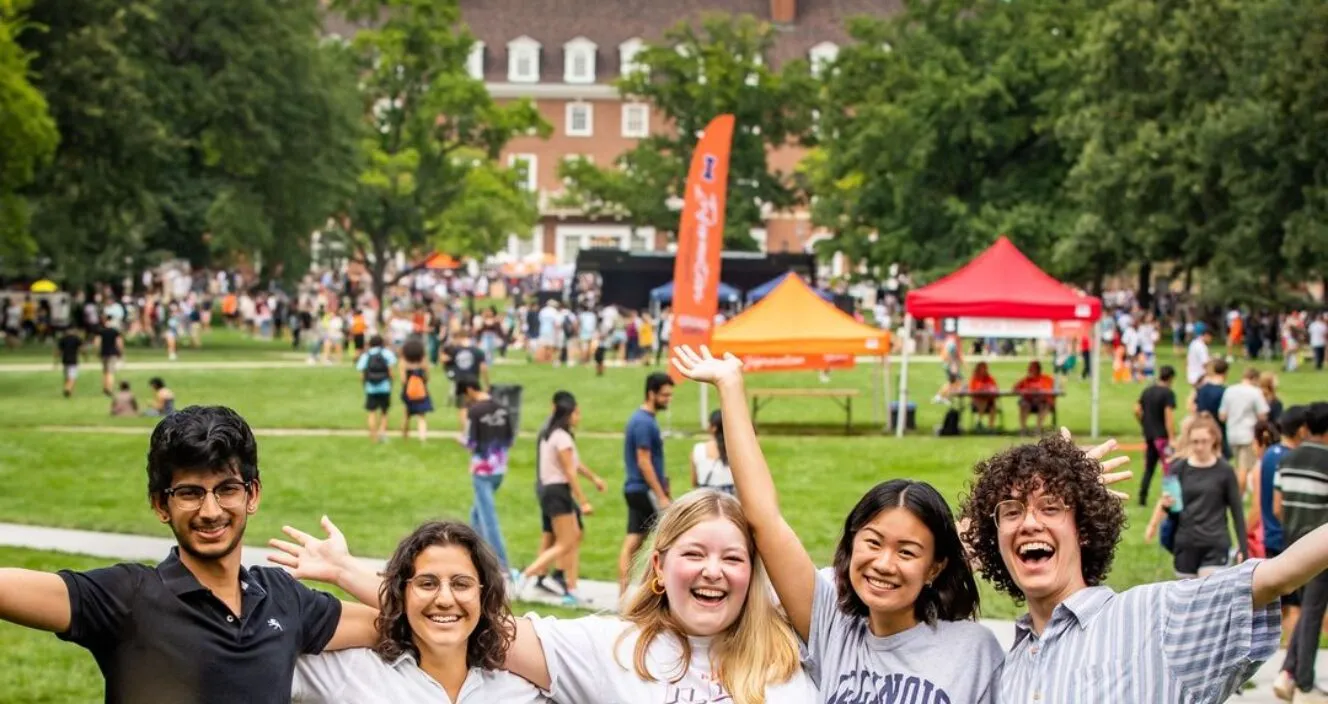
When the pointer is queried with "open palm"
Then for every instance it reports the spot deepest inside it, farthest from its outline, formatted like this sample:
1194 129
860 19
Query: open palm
704 367
309 557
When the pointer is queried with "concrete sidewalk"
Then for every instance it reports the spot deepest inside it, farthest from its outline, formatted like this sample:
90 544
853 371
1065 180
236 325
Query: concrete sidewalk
598 596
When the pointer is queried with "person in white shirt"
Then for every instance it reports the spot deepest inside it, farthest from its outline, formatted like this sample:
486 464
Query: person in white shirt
1318 331
710 459
1243 406
699 626
1196 360
443 631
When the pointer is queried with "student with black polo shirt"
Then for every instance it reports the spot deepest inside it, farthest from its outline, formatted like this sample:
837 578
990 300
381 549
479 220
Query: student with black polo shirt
198 627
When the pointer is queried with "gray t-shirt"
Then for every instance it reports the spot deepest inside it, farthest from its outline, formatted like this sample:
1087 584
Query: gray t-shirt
954 662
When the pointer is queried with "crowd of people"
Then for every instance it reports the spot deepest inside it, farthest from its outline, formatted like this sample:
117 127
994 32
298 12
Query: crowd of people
720 600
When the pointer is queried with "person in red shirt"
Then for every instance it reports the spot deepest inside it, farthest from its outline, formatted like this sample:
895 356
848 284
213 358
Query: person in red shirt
982 390
1036 391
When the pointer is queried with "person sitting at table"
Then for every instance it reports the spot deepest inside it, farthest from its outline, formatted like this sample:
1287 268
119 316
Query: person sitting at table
982 393
1036 392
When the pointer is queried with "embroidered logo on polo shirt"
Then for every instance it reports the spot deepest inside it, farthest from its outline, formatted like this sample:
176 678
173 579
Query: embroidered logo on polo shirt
274 624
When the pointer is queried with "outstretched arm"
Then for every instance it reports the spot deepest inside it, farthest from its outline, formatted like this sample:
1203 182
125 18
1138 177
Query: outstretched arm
1291 570
34 599
328 561
791 569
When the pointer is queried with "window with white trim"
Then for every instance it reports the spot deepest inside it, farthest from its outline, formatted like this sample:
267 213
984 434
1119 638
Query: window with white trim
627 52
580 119
523 60
821 56
475 61
528 164
579 61
635 120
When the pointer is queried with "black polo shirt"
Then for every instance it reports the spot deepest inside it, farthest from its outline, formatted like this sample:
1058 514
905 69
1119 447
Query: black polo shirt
160 636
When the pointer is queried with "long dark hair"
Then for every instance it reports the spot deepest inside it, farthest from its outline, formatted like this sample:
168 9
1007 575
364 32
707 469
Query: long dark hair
953 595
717 427
487 646
564 405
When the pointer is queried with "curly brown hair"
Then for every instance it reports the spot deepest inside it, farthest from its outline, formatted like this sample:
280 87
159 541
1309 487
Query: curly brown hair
1060 469
488 644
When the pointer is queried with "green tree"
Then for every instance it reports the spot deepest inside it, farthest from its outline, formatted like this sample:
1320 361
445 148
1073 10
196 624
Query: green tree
430 170
692 75
180 138
937 133
27 132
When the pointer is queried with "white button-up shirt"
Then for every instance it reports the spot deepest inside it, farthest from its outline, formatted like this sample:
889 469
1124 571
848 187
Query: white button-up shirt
360 676
1190 642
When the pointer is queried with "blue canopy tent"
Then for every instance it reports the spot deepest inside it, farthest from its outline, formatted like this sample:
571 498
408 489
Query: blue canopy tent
764 289
664 294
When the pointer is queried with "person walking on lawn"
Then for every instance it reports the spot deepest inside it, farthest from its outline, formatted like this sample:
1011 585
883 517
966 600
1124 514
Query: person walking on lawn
375 368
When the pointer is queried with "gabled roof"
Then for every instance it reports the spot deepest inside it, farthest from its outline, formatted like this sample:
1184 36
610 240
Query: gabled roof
1002 283
793 319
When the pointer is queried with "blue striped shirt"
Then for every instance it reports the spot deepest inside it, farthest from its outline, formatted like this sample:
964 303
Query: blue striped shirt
1187 642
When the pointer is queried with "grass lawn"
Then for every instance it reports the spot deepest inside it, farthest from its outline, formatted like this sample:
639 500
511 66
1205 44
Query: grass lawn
41 669
378 493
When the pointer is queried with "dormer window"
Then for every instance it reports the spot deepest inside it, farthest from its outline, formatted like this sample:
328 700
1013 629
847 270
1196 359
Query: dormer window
475 61
627 53
579 61
821 56
523 60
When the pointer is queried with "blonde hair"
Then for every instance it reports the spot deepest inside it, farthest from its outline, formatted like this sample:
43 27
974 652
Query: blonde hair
1268 382
758 650
1181 449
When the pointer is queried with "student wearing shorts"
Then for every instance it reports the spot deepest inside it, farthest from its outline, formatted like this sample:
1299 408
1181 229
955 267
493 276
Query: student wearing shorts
375 367
69 348
646 489
112 350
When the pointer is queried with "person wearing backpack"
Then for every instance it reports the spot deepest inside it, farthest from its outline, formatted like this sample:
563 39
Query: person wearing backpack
375 367
415 387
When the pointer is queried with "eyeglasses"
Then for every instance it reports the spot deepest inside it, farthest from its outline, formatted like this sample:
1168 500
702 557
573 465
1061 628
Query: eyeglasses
190 498
426 586
1049 512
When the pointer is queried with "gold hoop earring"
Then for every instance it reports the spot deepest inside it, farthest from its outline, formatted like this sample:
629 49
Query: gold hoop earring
655 587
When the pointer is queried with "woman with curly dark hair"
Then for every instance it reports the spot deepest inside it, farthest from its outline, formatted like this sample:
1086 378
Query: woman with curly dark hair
443 629
1043 525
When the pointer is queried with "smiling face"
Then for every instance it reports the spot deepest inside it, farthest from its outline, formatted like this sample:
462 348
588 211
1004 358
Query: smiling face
443 600
705 574
1039 543
209 531
893 559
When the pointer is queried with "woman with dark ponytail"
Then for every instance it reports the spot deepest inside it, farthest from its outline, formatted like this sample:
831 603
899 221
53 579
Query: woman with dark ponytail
710 460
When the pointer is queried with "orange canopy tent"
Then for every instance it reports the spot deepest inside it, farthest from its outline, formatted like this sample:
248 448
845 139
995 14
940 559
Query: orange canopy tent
794 320
794 328
439 260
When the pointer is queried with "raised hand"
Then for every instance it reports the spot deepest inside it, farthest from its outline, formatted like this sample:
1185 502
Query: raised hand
706 368
1108 476
311 558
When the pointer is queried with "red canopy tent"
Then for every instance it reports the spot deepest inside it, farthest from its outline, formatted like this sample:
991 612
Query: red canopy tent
1002 283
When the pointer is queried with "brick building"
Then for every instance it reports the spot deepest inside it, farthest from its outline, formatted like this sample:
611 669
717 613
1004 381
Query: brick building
565 56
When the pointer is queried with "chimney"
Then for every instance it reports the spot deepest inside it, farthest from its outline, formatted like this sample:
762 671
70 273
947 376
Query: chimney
783 11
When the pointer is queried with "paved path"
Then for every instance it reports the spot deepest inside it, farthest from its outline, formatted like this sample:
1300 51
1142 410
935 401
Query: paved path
600 596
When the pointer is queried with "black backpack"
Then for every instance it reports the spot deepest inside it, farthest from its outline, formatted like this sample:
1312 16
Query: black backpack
950 426
376 370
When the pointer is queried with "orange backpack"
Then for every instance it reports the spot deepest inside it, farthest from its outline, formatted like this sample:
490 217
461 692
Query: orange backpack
416 390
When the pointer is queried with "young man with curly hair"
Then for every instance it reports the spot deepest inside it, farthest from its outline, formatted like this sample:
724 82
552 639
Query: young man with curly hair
1044 527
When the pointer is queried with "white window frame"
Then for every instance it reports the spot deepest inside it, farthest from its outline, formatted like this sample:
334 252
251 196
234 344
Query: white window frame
579 48
627 130
475 61
589 130
523 47
627 53
821 56
532 169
